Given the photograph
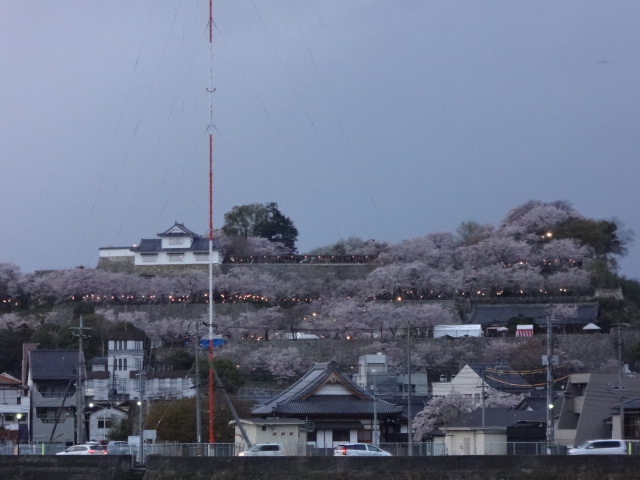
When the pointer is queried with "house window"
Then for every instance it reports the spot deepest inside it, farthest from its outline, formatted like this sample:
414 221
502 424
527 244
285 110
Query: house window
341 436
125 364
632 426
404 388
106 423
176 241
149 258
176 257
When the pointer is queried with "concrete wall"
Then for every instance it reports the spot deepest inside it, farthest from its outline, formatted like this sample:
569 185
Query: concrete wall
395 468
114 467
281 271
51 467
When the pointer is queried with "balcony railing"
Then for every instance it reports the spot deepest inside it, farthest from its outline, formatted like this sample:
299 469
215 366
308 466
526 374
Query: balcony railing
56 394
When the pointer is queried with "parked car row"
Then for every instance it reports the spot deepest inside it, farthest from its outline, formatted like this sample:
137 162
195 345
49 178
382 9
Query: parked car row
346 449
96 448
591 447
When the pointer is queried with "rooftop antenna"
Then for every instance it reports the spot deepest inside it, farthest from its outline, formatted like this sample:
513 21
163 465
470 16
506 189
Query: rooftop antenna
211 90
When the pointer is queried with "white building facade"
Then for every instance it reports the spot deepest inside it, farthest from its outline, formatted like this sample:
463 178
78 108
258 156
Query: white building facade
175 246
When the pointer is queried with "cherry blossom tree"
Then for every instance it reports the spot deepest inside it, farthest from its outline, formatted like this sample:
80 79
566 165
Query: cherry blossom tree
351 246
536 217
439 412
425 316
9 275
192 284
434 249
346 319
138 319
471 233
238 246
442 410
570 281
499 350
282 363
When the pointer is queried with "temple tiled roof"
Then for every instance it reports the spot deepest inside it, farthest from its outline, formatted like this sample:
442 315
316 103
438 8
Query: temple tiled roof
301 399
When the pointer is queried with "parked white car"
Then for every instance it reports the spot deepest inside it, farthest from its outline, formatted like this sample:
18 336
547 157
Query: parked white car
263 450
85 449
359 450
600 447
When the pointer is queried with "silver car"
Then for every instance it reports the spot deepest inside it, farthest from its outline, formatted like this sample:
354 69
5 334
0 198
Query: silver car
600 447
263 450
359 450
84 450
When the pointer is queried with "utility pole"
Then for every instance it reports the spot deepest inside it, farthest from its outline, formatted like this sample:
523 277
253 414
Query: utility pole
621 387
141 417
409 419
484 375
376 440
80 420
549 381
198 419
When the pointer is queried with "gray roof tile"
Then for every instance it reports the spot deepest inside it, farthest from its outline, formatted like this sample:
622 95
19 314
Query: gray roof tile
298 399
497 417
53 364
486 315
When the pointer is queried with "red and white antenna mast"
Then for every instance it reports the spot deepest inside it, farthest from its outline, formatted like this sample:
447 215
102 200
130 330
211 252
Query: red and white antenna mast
211 90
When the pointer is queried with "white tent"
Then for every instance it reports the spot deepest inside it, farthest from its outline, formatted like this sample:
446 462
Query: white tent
591 327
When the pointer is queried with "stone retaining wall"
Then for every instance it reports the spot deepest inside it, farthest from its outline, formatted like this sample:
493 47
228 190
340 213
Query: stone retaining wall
67 467
395 468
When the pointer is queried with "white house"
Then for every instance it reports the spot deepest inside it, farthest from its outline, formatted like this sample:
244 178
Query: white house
126 355
288 432
475 376
175 246
120 381
101 419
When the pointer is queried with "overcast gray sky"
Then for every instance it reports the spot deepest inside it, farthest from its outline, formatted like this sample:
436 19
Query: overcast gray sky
376 119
